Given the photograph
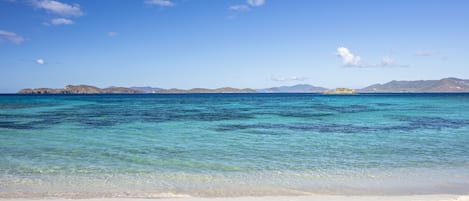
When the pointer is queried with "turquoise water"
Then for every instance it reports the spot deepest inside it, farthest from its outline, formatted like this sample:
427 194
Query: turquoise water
233 145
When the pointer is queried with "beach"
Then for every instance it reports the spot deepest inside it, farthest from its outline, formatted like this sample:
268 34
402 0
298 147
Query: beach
286 198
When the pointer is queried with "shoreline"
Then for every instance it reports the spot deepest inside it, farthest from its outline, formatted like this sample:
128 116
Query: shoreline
435 197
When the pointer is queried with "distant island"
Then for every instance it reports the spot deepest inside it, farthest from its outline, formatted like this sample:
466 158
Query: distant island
299 88
420 86
79 89
88 89
445 85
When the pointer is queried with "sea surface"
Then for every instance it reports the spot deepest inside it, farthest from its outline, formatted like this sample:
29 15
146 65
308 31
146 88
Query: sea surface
158 145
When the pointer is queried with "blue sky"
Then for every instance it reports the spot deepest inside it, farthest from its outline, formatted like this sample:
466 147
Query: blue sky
238 43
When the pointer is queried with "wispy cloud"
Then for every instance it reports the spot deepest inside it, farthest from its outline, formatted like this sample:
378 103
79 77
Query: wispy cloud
351 60
286 79
246 7
63 11
348 59
112 34
426 53
11 36
59 21
58 8
164 3
239 8
40 61
256 3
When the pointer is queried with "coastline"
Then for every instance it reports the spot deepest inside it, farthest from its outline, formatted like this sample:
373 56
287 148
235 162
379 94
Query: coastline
436 197
445 85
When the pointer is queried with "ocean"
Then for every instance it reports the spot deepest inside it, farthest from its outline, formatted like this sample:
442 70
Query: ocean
207 145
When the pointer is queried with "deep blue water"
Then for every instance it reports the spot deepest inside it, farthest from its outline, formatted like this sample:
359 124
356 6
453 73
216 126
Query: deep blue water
233 144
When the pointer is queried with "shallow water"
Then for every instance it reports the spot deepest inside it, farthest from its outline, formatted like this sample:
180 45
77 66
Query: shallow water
233 144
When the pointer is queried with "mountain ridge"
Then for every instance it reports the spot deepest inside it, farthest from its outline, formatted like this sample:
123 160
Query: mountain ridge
449 84
299 88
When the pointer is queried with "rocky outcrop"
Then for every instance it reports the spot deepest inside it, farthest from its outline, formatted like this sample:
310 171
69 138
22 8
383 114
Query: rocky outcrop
420 86
340 91
82 89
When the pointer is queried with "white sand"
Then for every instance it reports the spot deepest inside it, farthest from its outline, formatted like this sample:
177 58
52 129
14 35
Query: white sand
283 198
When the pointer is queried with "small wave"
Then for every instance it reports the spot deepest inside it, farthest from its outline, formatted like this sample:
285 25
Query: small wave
460 198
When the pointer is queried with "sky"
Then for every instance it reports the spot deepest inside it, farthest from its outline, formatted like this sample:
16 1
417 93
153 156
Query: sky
236 43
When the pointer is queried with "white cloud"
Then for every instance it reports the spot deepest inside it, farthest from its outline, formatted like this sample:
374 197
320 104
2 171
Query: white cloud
10 36
58 8
348 59
426 53
256 3
165 3
239 8
351 60
40 61
112 34
60 21
387 61
291 78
